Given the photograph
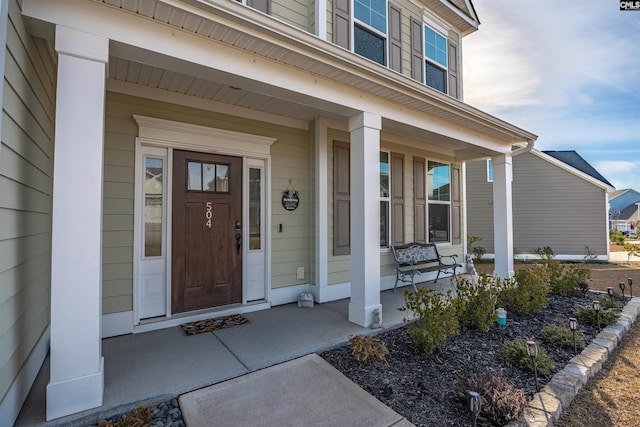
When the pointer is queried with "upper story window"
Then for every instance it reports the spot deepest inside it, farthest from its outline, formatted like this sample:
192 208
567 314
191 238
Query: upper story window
435 52
370 29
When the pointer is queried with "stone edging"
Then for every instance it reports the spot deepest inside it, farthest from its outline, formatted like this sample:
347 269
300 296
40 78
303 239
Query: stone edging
545 407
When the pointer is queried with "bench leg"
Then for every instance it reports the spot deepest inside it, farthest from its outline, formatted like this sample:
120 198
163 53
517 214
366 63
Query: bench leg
396 284
437 276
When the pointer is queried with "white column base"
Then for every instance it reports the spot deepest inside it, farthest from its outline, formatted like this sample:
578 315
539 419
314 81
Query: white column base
363 316
76 394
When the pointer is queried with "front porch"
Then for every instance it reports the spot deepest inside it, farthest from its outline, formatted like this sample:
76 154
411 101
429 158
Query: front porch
147 367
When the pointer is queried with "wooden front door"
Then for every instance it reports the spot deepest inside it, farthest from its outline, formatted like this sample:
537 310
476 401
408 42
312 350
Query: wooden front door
207 231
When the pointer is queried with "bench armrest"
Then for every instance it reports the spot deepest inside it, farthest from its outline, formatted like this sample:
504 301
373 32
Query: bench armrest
453 258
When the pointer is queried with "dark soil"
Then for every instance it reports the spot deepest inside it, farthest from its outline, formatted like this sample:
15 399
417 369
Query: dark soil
421 387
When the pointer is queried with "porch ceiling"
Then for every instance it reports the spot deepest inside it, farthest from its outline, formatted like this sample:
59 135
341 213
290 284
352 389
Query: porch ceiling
247 31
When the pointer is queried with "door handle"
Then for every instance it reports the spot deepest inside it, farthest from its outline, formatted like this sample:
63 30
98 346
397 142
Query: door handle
238 243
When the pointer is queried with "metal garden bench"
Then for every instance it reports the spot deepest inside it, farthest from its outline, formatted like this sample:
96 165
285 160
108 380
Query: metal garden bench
417 258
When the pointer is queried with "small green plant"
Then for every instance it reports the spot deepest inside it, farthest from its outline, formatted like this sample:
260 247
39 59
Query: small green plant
570 279
500 402
587 314
515 354
368 349
435 318
632 250
478 252
616 237
560 336
526 291
475 303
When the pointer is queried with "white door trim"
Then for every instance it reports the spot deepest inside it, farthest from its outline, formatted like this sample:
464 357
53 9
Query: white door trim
166 135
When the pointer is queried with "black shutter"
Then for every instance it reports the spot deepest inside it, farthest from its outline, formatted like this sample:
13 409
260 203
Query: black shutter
417 56
452 57
395 38
342 23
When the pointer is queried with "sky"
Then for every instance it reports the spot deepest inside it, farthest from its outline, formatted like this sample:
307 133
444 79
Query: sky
567 71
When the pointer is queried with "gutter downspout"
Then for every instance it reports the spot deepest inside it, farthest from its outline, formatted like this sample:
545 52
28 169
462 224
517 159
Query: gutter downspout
525 149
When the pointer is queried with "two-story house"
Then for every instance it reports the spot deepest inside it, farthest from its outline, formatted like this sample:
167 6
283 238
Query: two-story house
170 160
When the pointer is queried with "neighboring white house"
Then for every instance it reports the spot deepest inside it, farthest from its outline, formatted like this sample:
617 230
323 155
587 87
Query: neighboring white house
199 158
624 211
559 200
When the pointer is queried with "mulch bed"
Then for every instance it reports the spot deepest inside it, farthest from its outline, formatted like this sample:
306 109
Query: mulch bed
420 387
209 325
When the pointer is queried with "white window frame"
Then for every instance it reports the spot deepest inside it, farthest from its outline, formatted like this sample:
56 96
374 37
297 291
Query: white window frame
443 32
355 21
438 202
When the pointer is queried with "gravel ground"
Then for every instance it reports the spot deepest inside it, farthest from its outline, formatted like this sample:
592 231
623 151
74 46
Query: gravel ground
420 387
165 414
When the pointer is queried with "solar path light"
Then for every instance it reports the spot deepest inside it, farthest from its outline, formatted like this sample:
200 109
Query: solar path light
630 282
596 307
474 406
622 286
532 351
573 325
610 292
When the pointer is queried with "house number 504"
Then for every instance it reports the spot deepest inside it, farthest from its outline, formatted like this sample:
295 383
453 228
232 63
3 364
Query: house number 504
208 214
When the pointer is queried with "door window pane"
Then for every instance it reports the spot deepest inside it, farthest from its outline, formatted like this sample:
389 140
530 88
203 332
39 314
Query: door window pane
222 178
255 199
195 176
208 177
153 207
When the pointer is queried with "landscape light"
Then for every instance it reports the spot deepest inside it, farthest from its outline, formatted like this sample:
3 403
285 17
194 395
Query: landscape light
573 325
621 284
610 292
630 282
474 406
532 350
596 307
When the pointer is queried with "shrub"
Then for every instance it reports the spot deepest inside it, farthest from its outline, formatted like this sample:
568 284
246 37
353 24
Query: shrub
368 349
475 304
587 314
560 336
478 252
552 266
500 402
527 291
515 354
435 318
632 250
616 237
570 279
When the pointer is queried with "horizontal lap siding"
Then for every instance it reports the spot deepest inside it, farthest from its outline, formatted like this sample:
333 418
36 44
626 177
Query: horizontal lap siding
26 168
553 207
479 204
294 12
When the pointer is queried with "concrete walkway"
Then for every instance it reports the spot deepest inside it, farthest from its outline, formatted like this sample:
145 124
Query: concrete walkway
146 368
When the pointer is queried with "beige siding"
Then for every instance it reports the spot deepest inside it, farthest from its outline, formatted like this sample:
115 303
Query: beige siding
551 207
25 196
290 159
294 12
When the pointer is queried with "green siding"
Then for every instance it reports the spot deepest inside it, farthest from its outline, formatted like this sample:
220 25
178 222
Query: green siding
26 167
294 12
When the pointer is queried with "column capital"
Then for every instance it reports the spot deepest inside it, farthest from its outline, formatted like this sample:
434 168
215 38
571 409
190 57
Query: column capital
505 158
365 119
81 45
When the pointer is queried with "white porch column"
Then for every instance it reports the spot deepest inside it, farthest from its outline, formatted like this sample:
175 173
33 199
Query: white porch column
503 215
321 211
77 368
365 218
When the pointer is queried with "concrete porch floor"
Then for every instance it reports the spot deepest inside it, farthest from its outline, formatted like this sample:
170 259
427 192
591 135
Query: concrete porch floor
150 367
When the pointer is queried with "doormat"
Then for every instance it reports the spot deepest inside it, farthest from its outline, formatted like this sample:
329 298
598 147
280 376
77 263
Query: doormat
210 325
